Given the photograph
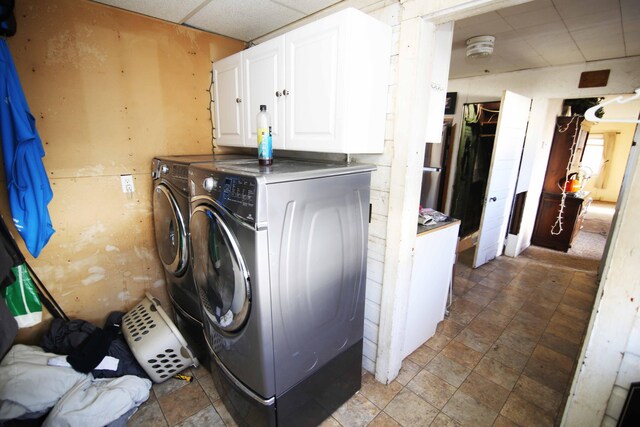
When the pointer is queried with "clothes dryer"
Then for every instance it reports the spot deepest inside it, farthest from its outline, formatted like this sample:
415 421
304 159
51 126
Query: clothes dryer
171 226
279 260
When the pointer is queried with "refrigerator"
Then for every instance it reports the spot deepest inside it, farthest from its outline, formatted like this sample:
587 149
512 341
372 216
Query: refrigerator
434 172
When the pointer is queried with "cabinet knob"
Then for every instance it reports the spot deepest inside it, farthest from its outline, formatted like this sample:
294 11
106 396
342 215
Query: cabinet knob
285 92
493 199
238 100
278 94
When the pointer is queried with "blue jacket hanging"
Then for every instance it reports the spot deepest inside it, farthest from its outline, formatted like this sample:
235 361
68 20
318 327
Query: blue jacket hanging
27 181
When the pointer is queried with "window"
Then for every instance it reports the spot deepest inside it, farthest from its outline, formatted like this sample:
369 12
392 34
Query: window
592 159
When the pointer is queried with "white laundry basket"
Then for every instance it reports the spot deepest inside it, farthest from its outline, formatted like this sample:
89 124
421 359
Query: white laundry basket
155 341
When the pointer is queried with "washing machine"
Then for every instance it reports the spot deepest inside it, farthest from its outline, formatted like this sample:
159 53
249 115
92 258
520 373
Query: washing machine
171 225
279 261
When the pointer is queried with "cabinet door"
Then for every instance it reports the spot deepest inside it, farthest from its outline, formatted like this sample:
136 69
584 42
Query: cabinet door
263 68
313 63
227 95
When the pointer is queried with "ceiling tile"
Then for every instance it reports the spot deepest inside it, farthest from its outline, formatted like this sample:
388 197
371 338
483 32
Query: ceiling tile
593 21
478 19
562 52
491 24
608 33
514 54
533 18
531 6
547 30
307 6
632 39
630 8
169 10
519 54
631 26
243 19
577 8
605 44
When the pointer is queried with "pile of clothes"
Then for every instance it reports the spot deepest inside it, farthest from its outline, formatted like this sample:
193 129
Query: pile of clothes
79 375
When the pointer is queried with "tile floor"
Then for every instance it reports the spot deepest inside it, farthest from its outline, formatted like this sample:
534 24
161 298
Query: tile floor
504 357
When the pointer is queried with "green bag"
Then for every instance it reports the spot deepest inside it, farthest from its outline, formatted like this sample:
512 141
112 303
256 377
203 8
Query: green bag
22 298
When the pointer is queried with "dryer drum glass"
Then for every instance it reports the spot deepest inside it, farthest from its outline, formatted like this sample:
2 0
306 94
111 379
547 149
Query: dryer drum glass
218 274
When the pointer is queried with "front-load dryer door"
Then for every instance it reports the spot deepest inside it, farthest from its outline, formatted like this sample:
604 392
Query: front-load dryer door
220 273
171 233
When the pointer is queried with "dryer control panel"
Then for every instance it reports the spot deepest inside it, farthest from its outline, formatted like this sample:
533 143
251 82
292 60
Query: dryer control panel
237 194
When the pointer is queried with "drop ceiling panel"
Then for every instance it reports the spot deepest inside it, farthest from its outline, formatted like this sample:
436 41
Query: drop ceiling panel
243 19
525 7
632 38
551 32
169 10
514 55
562 52
307 6
605 44
544 32
630 8
576 8
591 21
547 39
532 34
492 24
519 55
533 18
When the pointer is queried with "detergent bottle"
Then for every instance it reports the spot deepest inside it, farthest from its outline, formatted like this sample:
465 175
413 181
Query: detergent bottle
265 149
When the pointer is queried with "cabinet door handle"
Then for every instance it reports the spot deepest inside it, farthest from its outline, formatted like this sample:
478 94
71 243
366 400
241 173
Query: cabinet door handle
278 94
285 92
238 100
493 199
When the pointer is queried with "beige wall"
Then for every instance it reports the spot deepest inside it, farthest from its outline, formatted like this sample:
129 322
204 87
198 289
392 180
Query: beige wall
110 90
622 145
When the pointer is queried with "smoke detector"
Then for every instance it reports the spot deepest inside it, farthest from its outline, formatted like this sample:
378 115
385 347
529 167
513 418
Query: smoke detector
480 46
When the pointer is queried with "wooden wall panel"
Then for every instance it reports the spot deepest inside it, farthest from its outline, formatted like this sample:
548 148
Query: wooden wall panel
110 90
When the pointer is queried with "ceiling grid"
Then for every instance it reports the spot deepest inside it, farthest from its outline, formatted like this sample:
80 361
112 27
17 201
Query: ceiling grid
539 33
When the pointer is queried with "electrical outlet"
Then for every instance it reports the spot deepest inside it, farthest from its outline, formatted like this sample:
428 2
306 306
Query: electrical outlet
127 183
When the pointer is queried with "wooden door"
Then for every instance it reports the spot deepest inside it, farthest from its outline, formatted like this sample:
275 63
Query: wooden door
503 176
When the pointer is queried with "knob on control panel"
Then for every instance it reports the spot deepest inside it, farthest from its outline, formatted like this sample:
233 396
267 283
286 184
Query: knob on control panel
209 184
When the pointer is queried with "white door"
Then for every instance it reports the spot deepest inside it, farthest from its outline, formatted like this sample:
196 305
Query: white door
227 95
263 67
503 175
312 85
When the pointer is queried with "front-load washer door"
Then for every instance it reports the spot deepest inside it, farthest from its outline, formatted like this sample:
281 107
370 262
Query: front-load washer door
220 273
171 233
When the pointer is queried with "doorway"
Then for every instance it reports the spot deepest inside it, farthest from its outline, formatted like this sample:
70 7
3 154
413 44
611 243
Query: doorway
479 123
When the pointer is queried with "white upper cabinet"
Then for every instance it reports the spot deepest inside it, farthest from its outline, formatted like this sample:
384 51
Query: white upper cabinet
443 38
312 83
324 84
263 67
227 94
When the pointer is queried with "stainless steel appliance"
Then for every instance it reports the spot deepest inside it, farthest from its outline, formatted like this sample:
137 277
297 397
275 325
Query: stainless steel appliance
279 260
434 172
171 225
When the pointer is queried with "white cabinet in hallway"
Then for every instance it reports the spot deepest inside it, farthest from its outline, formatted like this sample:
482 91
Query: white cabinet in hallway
324 84
431 276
